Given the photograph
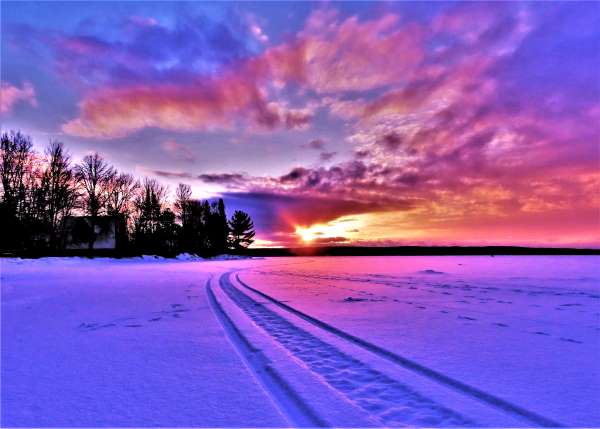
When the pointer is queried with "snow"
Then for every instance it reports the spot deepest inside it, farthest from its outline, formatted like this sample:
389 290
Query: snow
187 257
119 343
523 328
322 341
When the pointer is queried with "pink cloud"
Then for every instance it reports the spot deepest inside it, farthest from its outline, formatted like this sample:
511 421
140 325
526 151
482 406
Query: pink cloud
328 56
196 106
10 95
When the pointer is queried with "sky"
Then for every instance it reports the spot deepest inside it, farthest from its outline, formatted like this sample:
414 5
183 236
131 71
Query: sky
330 123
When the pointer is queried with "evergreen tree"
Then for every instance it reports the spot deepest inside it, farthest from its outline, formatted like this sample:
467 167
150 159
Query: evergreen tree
212 228
223 227
241 230
196 231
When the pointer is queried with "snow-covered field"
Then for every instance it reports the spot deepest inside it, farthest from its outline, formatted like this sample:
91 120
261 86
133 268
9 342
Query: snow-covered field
349 341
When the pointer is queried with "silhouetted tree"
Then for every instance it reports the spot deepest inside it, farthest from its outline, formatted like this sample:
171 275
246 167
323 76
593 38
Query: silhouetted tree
167 232
153 224
94 175
183 196
241 230
212 228
57 192
183 206
222 227
39 192
121 189
16 166
195 229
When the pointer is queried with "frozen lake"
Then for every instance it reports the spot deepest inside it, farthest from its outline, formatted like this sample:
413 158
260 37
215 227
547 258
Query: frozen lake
328 341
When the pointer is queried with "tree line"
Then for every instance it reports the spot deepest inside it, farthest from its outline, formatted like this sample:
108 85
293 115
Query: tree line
40 192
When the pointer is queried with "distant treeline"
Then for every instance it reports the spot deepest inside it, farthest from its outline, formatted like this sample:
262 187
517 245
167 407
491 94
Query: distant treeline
41 191
418 251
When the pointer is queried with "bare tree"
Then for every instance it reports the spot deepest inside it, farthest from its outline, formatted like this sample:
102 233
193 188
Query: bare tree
16 156
58 193
94 175
121 188
148 203
16 169
183 197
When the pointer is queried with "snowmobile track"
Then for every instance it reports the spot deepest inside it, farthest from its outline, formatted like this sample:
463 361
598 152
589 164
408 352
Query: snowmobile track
384 399
416 367
292 407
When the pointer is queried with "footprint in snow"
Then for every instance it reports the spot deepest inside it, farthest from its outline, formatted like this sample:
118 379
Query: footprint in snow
466 318
351 299
502 325
133 326
541 333
429 271
571 340
156 319
88 326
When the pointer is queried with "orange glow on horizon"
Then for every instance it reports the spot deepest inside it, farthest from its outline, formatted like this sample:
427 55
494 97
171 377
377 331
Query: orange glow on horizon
342 230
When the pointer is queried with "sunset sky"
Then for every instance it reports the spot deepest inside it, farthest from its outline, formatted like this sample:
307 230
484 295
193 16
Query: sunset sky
330 123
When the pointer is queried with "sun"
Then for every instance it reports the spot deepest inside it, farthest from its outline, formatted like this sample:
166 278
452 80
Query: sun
338 229
306 234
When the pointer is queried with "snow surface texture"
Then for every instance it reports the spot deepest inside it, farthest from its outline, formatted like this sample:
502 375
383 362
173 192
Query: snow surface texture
347 342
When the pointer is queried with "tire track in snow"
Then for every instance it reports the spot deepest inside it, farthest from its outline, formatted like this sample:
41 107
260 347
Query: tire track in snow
385 399
292 407
432 374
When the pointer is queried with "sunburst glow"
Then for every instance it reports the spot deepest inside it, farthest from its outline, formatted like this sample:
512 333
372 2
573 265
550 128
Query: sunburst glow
337 231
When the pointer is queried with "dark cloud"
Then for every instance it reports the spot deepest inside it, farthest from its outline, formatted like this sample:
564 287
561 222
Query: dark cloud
294 175
173 174
361 153
329 240
391 141
327 156
223 178
316 144
297 119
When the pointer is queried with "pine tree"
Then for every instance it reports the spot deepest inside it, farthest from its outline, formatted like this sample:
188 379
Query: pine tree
241 230
222 227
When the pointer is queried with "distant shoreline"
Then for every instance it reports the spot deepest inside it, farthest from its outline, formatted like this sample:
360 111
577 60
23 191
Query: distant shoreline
338 251
418 251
